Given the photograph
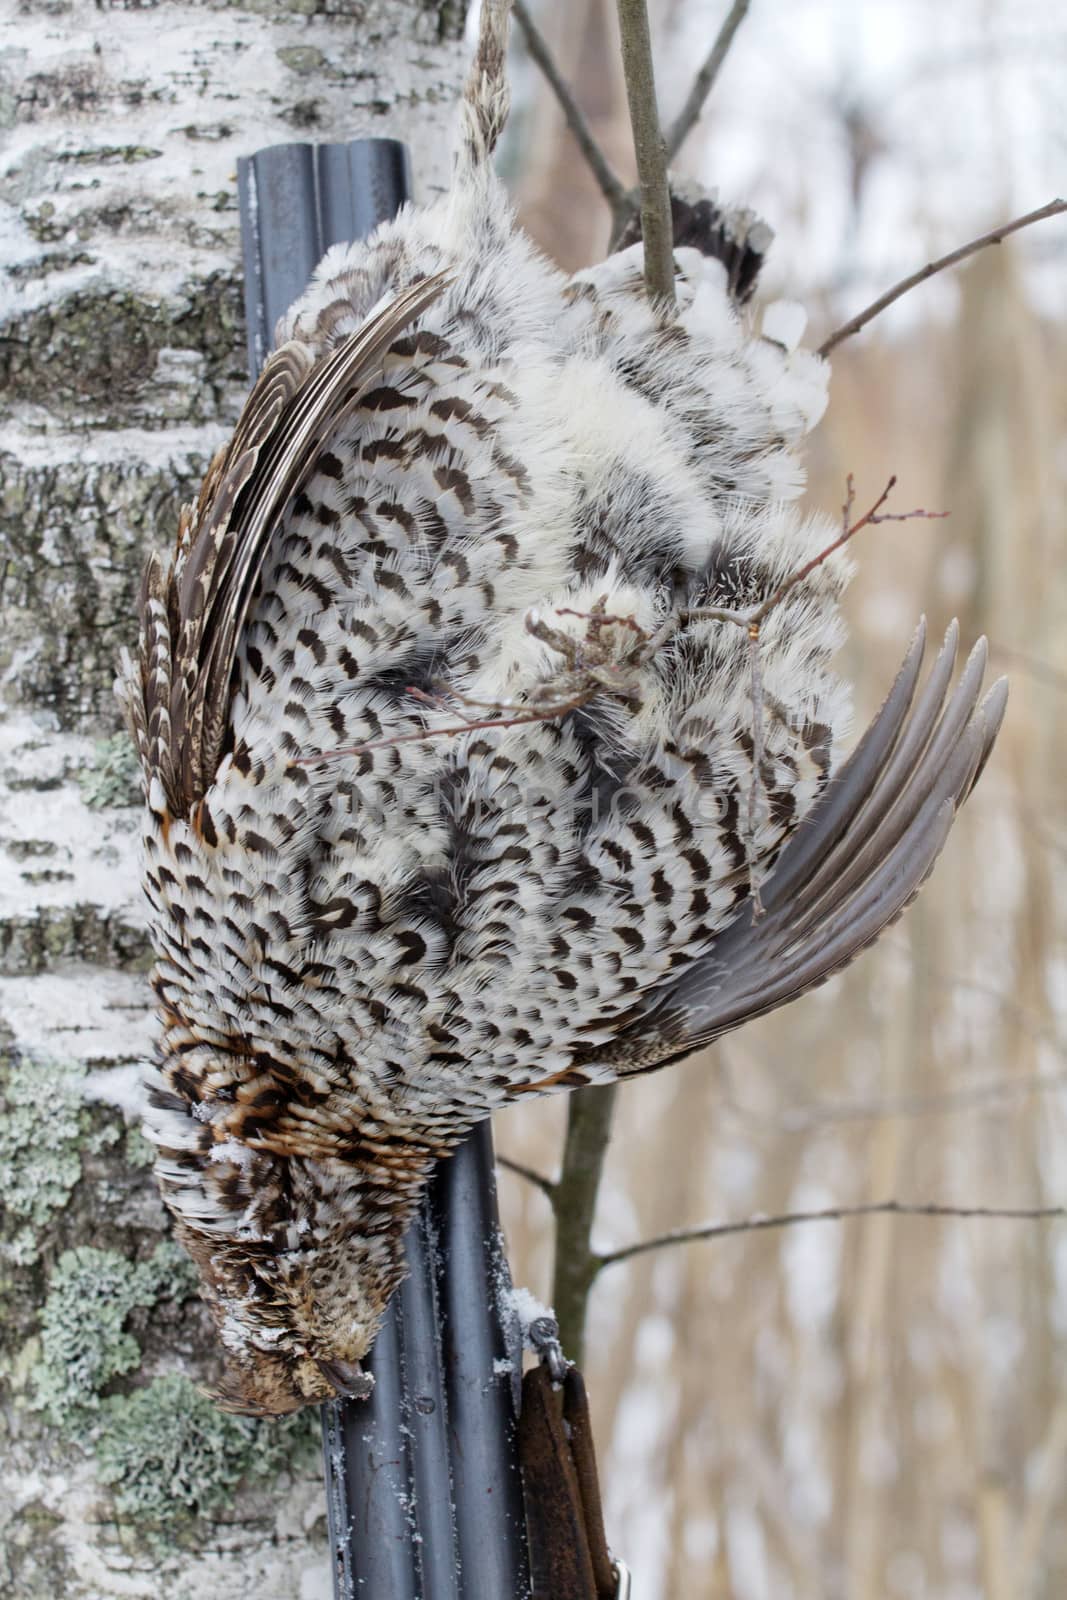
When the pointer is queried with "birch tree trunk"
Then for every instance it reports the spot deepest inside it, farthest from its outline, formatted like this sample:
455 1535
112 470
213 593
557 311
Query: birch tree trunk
123 355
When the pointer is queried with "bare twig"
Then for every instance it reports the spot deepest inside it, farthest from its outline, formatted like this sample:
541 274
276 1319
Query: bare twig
611 185
506 715
789 1219
547 1186
704 81
599 620
657 229
623 201
1053 209
849 529
752 620
420 735
591 670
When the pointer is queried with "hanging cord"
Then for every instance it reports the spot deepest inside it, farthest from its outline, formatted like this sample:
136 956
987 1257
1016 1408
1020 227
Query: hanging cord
569 1557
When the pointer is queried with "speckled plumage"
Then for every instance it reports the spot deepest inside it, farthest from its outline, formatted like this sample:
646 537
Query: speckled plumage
359 959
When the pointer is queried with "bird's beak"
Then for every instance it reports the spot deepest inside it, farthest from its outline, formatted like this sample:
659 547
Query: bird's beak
348 1378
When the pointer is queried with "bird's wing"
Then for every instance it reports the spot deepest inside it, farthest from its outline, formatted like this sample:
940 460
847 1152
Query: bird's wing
858 858
192 615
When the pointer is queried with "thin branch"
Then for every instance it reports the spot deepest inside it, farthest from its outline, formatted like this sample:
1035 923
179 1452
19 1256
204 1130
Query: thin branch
1053 209
704 81
573 1197
752 620
506 716
789 1219
591 671
849 530
547 1186
657 229
611 185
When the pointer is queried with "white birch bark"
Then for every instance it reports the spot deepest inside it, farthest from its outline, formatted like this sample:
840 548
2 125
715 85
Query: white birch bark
123 363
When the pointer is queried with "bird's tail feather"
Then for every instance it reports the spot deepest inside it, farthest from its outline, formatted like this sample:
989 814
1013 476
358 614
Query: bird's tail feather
487 96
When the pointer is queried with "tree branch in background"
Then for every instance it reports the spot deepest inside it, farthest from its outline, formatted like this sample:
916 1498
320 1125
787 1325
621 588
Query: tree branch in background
625 202
849 529
573 1197
790 1219
704 81
547 1186
574 1203
611 185
1053 209
657 229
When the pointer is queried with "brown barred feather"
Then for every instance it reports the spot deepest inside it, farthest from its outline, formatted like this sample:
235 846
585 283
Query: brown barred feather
290 414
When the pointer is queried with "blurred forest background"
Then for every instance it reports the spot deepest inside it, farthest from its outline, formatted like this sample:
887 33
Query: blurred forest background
873 1409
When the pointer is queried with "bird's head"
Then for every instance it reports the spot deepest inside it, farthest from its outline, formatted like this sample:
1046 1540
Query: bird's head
261 1385
296 1227
295 1323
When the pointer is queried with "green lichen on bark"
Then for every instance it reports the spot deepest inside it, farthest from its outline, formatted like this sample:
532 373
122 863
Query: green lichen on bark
85 1338
171 1455
168 1453
112 778
42 1124
137 1150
